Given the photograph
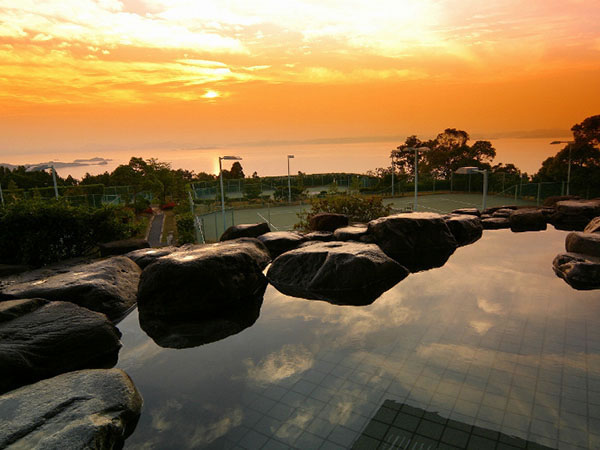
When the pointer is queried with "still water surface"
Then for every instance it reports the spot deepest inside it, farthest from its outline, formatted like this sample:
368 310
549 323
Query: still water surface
492 339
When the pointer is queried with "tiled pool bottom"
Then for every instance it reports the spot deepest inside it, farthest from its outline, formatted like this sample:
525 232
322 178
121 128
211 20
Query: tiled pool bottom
492 340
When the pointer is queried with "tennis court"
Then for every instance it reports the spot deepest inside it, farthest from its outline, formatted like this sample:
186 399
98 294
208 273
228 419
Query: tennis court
281 218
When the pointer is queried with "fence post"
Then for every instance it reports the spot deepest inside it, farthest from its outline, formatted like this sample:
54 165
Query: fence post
269 212
562 188
539 193
216 228
232 217
516 191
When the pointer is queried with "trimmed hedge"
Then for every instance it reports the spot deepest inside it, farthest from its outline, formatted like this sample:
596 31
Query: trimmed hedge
41 232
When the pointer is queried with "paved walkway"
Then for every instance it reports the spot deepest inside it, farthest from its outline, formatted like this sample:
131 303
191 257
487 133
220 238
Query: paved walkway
156 230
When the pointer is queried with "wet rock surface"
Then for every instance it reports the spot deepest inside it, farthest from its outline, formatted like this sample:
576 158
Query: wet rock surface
495 223
279 242
147 256
351 233
343 273
204 279
584 243
574 215
251 230
418 241
199 329
121 247
328 221
579 271
466 229
94 409
593 226
41 339
527 220
107 286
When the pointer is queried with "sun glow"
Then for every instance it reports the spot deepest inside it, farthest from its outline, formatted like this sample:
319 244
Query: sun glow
211 94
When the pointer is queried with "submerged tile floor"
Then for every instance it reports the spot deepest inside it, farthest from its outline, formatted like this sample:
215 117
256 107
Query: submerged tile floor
492 340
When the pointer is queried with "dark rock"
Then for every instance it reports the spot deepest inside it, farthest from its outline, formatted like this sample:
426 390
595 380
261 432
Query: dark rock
147 256
343 273
107 286
279 242
550 202
493 209
466 229
495 223
418 241
485 216
574 215
41 339
204 280
503 212
328 221
581 272
351 233
584 243
199 329
122 247
467 211
85 409
251 230
593 226
321 236
527 220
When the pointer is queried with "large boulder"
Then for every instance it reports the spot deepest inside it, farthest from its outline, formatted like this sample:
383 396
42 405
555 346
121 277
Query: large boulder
527 220
41 339
328 221
579 271
467 211
593 226
503 212
107 286
466 229
574 215
123 246
279 242
550 202
199 329
351 233
204 280
585 243
147 256
78 410
250 230
418 241
321 236
343 273
490 211
495 223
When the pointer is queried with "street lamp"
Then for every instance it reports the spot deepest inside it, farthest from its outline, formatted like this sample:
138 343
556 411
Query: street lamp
235 158
469 171
44 167
569 169
416 149
289 182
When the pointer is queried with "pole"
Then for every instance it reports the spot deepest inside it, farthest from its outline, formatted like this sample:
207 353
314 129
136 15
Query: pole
416 176
1 196
451 181
222 195
539 192
569 171
289 182
485 187
54 180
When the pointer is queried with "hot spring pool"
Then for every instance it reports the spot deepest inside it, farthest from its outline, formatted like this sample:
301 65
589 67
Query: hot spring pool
491 350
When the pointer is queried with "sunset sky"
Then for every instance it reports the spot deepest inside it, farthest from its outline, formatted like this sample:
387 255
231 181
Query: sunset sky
94 76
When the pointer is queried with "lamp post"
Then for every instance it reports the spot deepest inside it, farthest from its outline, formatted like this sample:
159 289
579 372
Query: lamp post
392 176
416 149
569 143
235 158
44 167
289 182
469 171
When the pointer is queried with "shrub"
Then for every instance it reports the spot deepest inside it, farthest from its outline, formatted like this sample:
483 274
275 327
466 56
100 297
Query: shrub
358 209
186 230
41 232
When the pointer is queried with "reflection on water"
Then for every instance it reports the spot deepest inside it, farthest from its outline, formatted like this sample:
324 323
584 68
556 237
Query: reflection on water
491 339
